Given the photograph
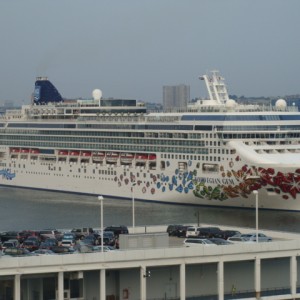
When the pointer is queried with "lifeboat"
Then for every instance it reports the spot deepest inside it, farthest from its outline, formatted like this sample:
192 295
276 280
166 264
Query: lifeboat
15 150
141 156
34 151
24 150
152 156
86 153
74 153
126 157
98 156
112 156
63 152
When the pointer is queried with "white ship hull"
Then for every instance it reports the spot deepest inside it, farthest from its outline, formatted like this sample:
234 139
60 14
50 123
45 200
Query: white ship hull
230 187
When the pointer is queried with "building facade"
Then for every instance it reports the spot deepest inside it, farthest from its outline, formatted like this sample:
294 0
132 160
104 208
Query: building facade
176 96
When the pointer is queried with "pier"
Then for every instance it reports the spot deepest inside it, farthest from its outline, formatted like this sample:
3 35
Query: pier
239 271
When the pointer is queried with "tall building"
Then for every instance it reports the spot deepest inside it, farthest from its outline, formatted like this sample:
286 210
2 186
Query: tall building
176 96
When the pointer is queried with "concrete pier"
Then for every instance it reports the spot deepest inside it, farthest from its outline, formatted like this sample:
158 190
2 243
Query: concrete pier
253 271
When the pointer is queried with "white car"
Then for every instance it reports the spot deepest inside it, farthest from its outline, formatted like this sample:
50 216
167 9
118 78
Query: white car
192 231
236 239
190 242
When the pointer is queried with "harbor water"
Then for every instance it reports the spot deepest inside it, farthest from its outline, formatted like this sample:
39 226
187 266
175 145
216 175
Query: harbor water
30 209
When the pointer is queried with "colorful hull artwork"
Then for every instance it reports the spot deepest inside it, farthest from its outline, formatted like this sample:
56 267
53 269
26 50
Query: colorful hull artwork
6 174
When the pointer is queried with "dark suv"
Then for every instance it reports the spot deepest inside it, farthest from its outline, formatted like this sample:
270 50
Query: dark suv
117 230
177 230
172 229
210 232
9 235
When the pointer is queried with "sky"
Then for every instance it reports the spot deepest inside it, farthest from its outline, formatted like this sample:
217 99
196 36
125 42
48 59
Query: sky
131 48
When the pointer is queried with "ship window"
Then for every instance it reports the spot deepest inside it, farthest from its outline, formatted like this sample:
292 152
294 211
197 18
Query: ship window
182 166
210 168
163 164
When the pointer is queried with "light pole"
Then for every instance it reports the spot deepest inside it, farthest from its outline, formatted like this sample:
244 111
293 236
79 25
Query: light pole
133 184
100 198
255 192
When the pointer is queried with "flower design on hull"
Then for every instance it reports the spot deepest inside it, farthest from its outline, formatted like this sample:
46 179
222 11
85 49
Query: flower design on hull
231 182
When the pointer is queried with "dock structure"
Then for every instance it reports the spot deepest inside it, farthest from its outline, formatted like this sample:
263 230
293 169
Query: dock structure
239 271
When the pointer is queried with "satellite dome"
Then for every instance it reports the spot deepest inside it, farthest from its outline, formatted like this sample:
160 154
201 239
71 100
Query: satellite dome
280 103
97 94
230 103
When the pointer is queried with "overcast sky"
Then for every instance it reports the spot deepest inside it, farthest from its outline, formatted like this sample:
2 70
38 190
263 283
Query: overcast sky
131 48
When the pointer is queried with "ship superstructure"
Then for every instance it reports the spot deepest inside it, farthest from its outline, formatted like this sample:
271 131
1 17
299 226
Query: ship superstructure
215 153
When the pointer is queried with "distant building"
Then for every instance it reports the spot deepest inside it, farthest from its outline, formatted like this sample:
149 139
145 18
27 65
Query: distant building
176 96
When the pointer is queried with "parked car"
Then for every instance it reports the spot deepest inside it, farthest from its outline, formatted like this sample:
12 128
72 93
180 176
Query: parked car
30 245
98 248
108 238
219 241
197 242
43 252
10 244
181 230
192 231
67 243
80 233
90 240
225 234
16 252
172 229
236 239
9 235
210 232
34 238
49 243
68 238
261 237
62 249
49 233
117 230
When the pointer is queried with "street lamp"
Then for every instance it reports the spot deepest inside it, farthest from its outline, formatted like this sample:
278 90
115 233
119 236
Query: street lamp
255 192
133 184
100 198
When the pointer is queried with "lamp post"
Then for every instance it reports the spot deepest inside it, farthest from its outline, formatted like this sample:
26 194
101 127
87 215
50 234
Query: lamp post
100 198
133 184
255 192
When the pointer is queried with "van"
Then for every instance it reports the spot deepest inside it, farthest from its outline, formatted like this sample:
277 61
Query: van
192 231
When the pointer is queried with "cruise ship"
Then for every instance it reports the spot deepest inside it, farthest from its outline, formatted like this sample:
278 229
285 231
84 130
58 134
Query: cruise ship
215 153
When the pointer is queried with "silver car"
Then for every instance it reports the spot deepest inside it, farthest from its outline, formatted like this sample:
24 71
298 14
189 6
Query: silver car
252 237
